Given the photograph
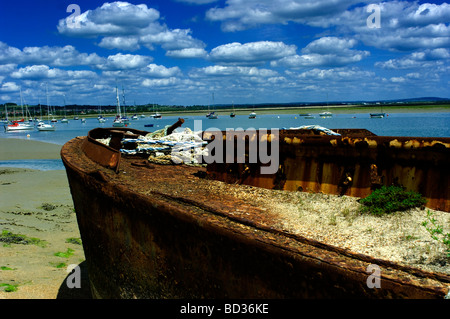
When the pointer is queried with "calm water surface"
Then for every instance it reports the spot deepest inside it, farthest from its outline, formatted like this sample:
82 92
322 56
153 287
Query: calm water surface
395 124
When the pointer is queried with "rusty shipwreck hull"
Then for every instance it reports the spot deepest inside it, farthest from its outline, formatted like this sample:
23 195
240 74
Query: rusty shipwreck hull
353 164
154 231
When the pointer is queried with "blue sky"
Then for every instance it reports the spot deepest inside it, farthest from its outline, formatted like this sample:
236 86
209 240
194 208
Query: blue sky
180 52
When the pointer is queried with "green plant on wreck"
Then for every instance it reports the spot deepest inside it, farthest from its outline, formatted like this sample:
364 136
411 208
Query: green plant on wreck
388 199
437 231
9 238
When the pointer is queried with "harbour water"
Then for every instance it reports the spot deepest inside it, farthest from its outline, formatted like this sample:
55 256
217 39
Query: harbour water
395 124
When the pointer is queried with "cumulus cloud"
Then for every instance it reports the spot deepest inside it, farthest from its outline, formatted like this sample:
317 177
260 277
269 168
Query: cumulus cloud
326 51
187 53
125 26
405 25
9 87
160 71
251 53
244 14
420 59
124 62
219 70
54 56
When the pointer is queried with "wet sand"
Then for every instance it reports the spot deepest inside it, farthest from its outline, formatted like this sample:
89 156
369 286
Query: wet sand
37 204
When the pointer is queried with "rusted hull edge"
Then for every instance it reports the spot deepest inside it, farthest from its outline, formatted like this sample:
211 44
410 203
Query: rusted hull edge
152 247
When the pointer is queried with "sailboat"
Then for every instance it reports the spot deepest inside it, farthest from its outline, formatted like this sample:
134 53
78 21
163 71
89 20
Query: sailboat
252 115
100 117
19 125
46 127
64 119
118 122
125 119
212 115
326 114
232 114
155 115
378 115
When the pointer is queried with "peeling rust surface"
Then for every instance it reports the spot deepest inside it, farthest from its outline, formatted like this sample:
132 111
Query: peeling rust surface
153 231
352 164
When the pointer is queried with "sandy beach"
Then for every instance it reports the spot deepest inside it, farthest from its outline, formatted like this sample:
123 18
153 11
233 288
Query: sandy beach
37 204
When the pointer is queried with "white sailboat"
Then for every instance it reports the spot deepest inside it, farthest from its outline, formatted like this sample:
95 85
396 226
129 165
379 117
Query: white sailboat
64 119
118 122
20 125
212 115
155 115
46 127
125 119
252 115
326 114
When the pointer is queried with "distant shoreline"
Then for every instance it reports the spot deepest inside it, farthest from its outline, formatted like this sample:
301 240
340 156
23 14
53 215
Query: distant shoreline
336 109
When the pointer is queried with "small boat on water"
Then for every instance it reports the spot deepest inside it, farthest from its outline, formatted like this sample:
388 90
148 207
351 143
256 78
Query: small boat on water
118 121
20 125
134 117
377 115
252 115
45 127
151 230
326 114
213 115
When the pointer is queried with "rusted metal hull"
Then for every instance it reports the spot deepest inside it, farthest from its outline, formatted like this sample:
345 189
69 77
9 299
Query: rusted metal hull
152 231
352 164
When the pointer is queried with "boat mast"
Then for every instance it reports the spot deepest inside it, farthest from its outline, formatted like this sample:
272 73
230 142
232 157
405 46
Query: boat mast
118 102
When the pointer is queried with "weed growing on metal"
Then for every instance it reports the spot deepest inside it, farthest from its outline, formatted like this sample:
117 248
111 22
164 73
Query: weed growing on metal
437 231
388 199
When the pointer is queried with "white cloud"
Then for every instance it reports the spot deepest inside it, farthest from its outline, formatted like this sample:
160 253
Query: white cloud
160 82
117 18
419 59
251 53
126 26
243 14
326 51
54 56
9 87
124 62
219 70
187 53
160 71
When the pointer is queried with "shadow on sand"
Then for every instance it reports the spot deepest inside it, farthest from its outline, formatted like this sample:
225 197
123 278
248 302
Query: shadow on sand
84 292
